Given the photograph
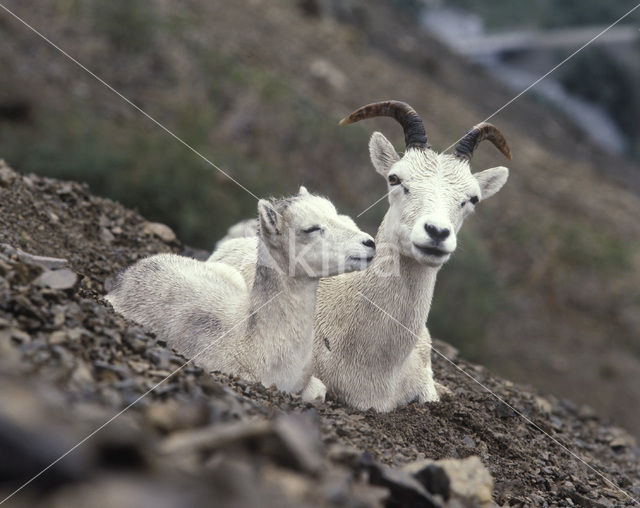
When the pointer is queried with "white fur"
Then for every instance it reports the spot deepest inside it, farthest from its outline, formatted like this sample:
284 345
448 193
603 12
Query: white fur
262 331
361 354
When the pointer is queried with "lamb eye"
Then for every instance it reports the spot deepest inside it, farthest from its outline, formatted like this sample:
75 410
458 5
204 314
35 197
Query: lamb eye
394 180
311 229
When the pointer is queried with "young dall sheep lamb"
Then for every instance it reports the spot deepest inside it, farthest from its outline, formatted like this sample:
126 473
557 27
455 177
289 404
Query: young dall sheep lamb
362 355
262 331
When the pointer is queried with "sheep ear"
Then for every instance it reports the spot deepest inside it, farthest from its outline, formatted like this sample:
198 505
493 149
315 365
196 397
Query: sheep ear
382 153
269 218
303 191
491 180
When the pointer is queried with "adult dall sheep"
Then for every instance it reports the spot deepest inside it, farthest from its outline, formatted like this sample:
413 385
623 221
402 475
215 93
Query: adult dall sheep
262 331
372 348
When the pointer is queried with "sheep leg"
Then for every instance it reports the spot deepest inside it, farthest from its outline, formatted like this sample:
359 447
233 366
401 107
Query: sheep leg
315 390
419 383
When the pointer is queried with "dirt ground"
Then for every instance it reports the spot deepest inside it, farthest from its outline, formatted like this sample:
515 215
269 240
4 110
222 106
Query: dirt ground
68 363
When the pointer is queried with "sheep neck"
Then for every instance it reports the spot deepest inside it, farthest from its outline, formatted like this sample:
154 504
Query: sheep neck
403 288
280 306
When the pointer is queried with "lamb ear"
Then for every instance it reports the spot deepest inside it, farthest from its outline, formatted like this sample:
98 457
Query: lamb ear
382 153
303 191
491 180
269 218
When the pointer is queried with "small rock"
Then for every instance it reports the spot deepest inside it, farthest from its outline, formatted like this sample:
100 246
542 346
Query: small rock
300 437
59 337
76 333
103 221
586 412
106 236
7 175
159 357
468 441
345 455
57 279
137 367
543 405
31 259
503 411
119 370
159 373
162 231
435 480
171 415
621 442
404 489
82 376
59 318
64 189
469 478
214 437
15 334
53 217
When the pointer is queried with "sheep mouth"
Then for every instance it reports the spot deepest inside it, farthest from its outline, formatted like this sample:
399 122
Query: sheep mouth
359 259
432 251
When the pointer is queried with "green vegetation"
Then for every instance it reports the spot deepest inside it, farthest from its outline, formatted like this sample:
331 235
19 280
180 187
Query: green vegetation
584 247
129 25
139 166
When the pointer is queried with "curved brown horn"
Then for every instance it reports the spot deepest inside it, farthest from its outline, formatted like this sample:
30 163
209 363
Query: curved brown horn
465 147
414 134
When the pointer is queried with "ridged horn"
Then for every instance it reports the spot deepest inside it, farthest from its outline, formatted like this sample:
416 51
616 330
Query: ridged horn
414 134
465 147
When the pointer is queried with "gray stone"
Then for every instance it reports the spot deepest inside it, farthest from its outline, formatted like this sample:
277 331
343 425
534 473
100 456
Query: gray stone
301 442
106 236
404 489
162 231
469 478
468 441
57 279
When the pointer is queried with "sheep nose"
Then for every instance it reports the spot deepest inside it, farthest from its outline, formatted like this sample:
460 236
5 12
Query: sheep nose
369 243
436 233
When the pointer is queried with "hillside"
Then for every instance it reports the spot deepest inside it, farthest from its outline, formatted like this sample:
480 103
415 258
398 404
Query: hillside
544 288
68 364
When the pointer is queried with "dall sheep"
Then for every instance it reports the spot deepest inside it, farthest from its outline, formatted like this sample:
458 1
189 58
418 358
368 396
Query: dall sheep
261 331
373 358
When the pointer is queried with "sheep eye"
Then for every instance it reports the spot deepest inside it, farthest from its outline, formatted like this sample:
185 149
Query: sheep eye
311 229
394 180
472 200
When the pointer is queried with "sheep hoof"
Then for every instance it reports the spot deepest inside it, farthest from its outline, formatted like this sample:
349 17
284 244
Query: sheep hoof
443 391
315 391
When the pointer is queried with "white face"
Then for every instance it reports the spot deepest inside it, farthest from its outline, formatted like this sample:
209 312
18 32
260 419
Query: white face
430 195
309 238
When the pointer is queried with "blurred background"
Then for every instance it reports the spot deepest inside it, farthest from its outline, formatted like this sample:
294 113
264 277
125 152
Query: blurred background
545 286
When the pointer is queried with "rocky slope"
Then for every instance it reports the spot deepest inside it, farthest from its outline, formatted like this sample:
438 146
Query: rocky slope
548 273
68 364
